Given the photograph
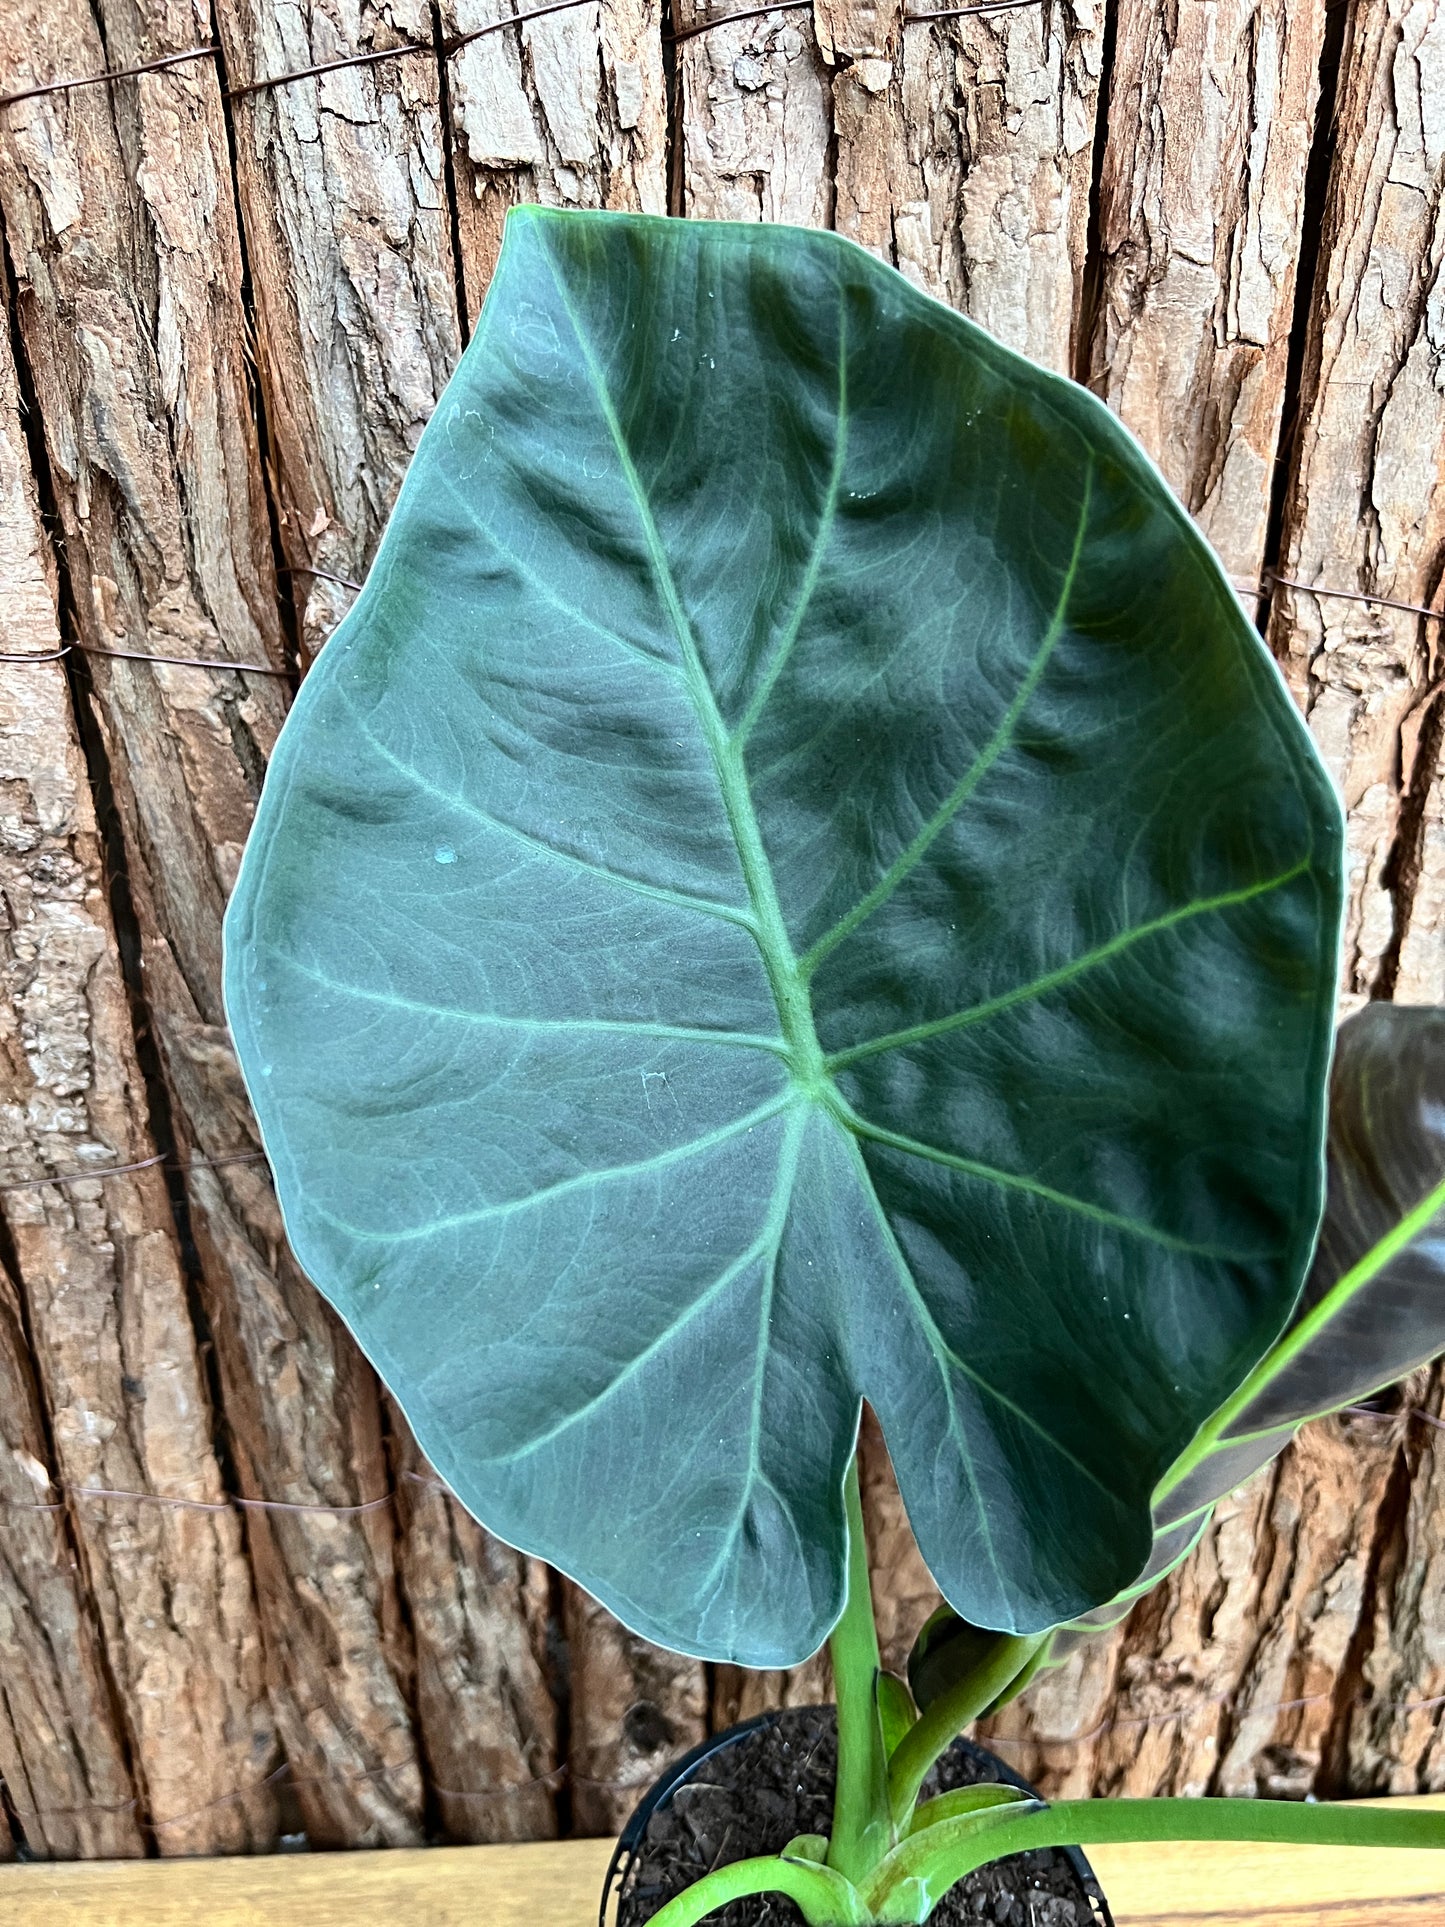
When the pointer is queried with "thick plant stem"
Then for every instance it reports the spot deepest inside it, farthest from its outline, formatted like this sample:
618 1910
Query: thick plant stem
822 1897
946 1717
861 1831
930 1862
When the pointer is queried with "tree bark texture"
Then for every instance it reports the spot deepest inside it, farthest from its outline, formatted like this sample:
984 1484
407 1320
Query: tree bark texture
1365 510
569 111
236 307
133 1684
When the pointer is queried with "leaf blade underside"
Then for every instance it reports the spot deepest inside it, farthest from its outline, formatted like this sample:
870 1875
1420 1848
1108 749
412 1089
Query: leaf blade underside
794 883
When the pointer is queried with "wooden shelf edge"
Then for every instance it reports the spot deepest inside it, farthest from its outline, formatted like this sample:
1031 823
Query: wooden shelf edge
557 1884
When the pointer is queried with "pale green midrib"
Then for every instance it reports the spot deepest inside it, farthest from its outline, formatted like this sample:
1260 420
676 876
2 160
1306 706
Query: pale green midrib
770 931
787 975
826 518
1066 973
909 859
488 1019
1211 1435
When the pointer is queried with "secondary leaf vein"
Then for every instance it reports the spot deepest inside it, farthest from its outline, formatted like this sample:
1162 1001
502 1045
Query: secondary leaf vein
1014 1181
909 859
683 899
490 1019
584 1181
1066 973
768 1238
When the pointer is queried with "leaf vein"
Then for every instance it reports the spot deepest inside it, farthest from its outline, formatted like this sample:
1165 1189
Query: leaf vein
1066 973
909 859
584 1181
494 1019
1014 1181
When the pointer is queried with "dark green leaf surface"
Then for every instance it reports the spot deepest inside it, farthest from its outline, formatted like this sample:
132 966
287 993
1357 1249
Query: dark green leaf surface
1373 1306
795 882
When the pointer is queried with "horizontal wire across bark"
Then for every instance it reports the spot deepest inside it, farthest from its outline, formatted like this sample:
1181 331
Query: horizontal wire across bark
451 47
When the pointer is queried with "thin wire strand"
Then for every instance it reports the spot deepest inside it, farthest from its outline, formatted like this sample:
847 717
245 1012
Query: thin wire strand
227 1502
124 1170
181 662
117 73
333 66
300 568
144 655
961 13
409 47
1354 595
724 19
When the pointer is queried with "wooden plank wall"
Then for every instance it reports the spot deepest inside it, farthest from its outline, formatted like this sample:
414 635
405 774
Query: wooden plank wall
235 1603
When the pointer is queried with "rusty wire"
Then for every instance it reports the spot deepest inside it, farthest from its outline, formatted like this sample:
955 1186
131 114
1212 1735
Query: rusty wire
117 73
375 55
145 655
124 1170
1353 595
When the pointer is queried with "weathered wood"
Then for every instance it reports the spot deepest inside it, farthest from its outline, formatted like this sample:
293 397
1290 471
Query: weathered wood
755 119
62 1746
480 1619
569 111
1391 1739
342 192
1170 1884
1201 205
1365 509
1232 1676
964 154
173 1678
634 1709
121 225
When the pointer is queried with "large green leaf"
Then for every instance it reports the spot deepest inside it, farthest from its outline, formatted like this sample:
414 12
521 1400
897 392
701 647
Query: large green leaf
795 882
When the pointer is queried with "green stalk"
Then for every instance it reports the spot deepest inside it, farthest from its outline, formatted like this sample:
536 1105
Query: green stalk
1212 1433
946 1717
861 1832
931 1862
822 1897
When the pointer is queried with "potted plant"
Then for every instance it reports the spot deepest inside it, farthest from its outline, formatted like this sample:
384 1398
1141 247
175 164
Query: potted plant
794 884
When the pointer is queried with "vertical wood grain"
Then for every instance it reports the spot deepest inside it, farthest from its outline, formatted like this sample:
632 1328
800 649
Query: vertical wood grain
341 182
131 1633
1201 211
568 111
1365 508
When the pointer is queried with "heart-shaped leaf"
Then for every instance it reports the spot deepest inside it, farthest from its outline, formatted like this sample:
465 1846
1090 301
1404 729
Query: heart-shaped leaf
795 882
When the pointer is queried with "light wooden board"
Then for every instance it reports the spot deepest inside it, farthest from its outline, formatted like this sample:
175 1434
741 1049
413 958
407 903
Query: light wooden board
550 1885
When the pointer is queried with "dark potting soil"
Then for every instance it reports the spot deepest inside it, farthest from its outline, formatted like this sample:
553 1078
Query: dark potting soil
777 1781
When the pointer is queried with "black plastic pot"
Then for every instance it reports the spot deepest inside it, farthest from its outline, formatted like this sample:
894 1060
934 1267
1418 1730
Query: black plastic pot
806 1728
